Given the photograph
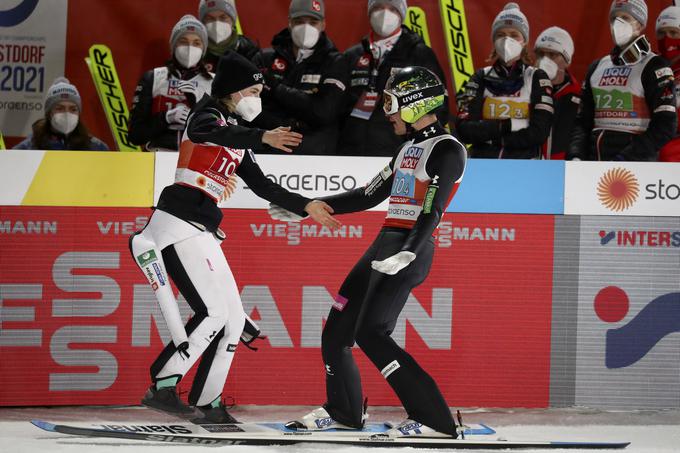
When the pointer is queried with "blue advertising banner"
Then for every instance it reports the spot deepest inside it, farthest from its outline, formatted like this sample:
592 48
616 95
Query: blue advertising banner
511 186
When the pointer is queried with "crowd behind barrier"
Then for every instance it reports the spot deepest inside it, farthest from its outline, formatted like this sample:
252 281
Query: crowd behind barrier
526 103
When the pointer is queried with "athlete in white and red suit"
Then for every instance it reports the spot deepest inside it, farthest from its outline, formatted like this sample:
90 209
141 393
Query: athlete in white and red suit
182 239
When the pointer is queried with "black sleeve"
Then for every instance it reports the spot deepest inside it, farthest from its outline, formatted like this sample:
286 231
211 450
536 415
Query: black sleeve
263 187
206 126
658 83
247 47
470 126
540 118
445 166
324 107
579 148
362 198
144 124
426 57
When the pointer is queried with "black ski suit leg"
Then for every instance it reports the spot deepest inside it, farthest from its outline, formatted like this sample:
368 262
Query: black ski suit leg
344 397
385 299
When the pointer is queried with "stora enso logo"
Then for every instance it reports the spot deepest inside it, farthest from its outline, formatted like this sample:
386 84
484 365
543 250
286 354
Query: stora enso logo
629 343
618 189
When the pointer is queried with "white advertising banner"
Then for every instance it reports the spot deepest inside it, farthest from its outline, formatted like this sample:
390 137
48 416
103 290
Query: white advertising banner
311 176
32 54
622 188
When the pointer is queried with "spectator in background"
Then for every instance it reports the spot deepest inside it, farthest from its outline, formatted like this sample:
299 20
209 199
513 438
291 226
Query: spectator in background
668 37
219 18
554 49
505 110
627 102
61 129
305 79
388 46
165 95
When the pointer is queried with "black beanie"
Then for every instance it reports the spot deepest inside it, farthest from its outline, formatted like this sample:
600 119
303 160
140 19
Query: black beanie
234 73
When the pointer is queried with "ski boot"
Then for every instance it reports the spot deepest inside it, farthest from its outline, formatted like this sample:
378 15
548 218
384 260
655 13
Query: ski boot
165 399
412 428
214 415
320 420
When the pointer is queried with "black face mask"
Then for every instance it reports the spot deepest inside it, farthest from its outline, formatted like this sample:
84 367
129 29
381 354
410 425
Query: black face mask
632 53
507 80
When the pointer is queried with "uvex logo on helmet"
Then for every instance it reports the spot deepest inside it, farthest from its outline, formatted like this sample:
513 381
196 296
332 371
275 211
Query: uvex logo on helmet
316 6
412 97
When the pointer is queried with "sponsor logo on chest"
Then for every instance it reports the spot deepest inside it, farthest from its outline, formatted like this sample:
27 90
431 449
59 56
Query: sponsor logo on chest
615 77
411 157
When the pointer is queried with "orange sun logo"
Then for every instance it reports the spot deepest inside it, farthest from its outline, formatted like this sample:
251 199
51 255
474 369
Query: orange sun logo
618 189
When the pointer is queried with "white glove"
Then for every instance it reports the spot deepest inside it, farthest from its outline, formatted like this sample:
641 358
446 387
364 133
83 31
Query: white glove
189 90
279 213
394 263
178 115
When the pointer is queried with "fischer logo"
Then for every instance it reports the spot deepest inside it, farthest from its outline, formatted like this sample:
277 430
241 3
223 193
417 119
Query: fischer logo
294 231
617 76
629 343
618 189
447 233
636 238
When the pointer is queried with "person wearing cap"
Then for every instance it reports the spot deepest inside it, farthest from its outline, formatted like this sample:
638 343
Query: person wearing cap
61 127
305 79
420 181
628 100
219 18
182 239
164 95
668 38
554 50
505 110
389 46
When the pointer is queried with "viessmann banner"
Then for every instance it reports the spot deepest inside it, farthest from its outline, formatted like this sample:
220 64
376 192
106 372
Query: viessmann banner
79 322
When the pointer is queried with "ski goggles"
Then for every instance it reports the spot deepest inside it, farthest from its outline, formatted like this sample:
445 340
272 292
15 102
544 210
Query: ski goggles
392 103
635 51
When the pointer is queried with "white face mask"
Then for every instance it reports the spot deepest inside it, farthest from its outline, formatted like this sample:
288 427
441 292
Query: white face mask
384 22
248 107
64 122
305 36
622 32
188 56
549 66
219 31
508 49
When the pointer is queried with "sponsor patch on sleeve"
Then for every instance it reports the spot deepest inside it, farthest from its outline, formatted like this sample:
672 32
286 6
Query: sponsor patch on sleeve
545 83
547 99
663 72
336 82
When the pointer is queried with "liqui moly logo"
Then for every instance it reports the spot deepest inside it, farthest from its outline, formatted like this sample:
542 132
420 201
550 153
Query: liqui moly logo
615 76
629 343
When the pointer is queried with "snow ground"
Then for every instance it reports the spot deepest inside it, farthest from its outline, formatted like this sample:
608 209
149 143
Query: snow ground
648 431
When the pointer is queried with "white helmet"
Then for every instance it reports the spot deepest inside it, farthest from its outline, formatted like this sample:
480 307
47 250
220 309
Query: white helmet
669 17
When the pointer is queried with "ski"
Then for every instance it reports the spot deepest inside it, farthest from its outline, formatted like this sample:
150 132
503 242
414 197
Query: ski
416 21
260 434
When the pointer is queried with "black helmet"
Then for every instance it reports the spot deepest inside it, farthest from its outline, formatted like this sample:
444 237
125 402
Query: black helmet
414 91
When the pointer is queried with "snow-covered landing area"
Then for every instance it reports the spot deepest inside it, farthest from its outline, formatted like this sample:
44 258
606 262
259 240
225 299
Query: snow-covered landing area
648 431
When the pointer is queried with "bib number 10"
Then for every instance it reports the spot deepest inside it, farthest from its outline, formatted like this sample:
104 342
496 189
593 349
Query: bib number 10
224 164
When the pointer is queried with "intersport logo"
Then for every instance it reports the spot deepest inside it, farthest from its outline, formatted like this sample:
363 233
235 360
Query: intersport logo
640 238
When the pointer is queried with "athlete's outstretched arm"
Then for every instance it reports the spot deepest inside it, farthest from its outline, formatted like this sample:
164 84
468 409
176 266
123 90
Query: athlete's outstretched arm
363 198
